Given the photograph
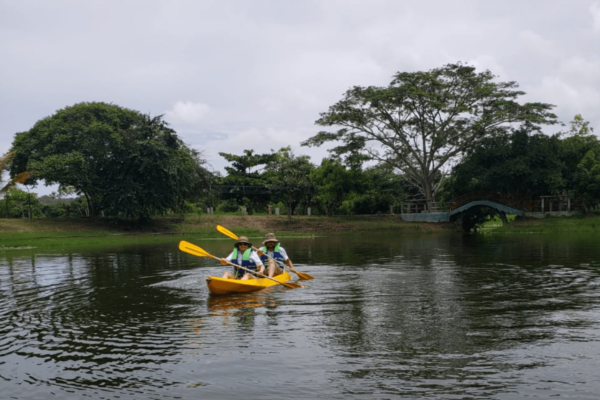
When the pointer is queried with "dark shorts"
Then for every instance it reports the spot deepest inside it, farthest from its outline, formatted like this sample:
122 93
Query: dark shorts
238 273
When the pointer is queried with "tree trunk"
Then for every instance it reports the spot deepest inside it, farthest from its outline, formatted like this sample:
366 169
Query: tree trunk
89 210
428 194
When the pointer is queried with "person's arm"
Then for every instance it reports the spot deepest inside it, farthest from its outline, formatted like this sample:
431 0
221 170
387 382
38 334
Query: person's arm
287 259
290 264
260 267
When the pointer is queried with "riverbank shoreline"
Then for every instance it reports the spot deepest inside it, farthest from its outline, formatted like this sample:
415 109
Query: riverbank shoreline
24 232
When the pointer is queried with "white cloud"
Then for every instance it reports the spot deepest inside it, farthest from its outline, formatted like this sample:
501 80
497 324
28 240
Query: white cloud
582 72
536 44
188 112
489 62
595 11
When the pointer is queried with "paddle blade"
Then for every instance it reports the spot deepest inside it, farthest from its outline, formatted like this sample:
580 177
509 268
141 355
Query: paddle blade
192 249
227 232
304 276
292 285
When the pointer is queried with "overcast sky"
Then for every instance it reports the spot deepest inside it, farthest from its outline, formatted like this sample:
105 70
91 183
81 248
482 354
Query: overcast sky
231 75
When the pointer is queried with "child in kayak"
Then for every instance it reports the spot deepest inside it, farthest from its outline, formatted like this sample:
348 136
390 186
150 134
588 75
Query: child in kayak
273 248
244 256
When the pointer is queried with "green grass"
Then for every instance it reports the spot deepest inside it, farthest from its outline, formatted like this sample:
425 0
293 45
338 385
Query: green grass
103 238
496 222
85 232
585 223
20 234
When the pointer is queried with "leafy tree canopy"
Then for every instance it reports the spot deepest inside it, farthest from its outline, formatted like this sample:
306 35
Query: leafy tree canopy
530 164
518 163
246 169
288 178
334 183
125 163
587 177
424 120
245 183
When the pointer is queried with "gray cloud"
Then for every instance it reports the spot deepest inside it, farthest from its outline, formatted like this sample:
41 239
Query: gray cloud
231 75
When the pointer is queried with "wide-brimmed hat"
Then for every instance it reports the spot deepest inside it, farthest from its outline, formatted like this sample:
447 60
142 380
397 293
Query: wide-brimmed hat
243 239
270 237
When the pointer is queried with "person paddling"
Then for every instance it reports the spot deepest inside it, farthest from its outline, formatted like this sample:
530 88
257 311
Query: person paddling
244 256
273 248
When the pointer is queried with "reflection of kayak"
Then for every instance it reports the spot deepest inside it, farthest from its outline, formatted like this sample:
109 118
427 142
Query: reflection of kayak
218 285
230 304
224 304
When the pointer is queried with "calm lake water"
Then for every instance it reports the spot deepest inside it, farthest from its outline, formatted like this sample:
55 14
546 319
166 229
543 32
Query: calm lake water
389 316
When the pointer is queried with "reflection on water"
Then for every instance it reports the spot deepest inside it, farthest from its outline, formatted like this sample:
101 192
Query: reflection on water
389 316
241 307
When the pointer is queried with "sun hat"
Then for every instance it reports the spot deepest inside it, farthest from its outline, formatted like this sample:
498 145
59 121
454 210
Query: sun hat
243 239
270 237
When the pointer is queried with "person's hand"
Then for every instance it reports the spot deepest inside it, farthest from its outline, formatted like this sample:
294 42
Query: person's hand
259 252
223 261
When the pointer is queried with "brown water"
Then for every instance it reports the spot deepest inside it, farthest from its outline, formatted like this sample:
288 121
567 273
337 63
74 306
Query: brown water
389 316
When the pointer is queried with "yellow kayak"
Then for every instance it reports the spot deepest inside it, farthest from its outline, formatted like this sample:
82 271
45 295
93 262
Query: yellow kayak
217 285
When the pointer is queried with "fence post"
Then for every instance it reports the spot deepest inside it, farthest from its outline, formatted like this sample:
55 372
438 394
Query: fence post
542 205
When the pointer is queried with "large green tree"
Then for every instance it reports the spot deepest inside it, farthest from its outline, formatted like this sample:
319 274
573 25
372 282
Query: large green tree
333 183
245 183
581 155
521 163
18 203
530 164
124 162
288 179
587 177
376 189
424 120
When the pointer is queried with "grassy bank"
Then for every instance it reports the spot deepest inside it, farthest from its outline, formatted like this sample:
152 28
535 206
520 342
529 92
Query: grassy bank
70 232
584 223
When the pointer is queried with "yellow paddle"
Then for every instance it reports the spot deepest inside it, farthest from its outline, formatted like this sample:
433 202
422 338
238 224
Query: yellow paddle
192 249
303 276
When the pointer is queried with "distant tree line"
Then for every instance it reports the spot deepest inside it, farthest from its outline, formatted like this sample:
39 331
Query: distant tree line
429 136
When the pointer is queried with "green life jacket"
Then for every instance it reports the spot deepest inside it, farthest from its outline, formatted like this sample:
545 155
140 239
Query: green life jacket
276 254
246 261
